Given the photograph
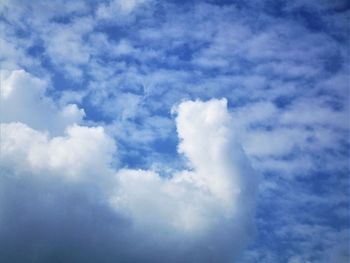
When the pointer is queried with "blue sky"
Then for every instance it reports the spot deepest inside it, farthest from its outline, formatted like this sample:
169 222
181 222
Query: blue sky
174 131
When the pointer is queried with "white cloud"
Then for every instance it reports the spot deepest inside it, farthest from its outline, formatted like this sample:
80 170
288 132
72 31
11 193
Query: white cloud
66 47
81 153
315 112
209 206
118 11
137 58
285 139
23 99
203 198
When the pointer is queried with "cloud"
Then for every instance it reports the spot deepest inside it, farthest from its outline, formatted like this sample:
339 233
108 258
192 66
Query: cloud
283 68
196 215
23 99
115 7
65 45
119 11
83 151
194 200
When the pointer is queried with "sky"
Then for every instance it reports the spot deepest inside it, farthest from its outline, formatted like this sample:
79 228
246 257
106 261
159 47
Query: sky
174 131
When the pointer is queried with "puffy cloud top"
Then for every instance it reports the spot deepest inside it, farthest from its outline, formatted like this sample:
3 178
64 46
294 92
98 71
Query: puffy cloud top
23 99
198 214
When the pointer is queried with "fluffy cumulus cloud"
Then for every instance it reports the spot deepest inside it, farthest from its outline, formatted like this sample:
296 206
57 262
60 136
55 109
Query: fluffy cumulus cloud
81 152
23 99
192 202
117 144
52 183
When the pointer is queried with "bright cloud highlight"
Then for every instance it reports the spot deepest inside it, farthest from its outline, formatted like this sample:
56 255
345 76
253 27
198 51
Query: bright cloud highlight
203 212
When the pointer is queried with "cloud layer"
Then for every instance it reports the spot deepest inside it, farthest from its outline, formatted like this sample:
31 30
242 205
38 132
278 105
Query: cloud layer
87 91
62 199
